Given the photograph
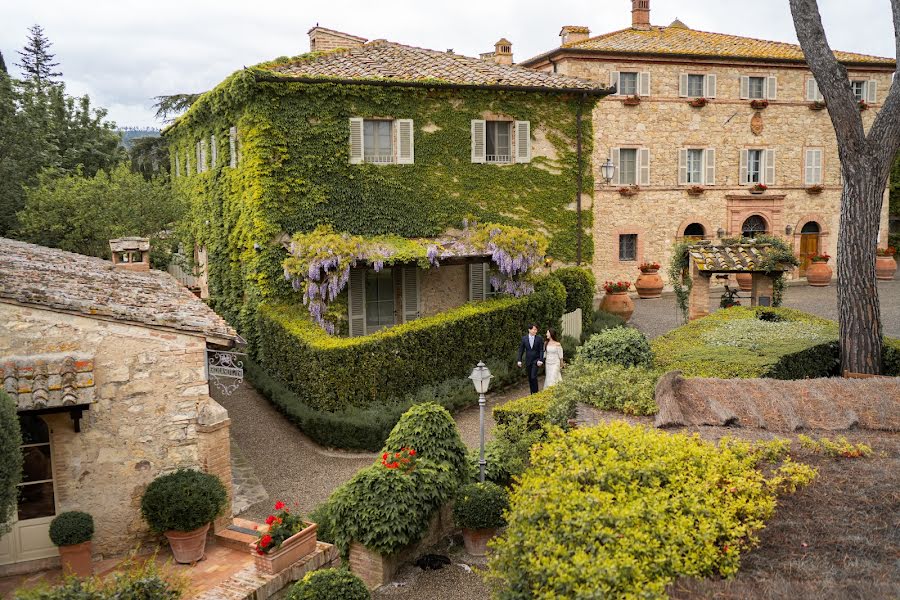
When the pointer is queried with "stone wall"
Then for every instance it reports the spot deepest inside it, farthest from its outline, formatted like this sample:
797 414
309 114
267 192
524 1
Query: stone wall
664 122
443 288
150 389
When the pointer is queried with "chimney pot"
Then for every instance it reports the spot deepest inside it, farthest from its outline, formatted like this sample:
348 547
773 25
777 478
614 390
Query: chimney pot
571 34
130 253
503 52
640 14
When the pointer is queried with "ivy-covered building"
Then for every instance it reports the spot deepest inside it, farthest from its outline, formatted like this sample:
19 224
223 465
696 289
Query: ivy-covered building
381 142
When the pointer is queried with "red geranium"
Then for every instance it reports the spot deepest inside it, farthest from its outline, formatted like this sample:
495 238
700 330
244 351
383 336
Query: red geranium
280 527
404 459
614 287
279 505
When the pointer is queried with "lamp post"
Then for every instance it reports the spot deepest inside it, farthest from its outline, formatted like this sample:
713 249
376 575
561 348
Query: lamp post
481 377
607 170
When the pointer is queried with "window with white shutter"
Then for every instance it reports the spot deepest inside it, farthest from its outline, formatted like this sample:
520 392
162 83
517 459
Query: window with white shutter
410 292
695 166
745 87
405 134
614 82
644 166
615 155
683 85
772 88
645 84
682 166
628 83
696 85
711 85
232 147
523 141
356 302
710 176
859 90
478 141
356 140
813 171
812 91
214 151
872 92
770 167
378 141
629 166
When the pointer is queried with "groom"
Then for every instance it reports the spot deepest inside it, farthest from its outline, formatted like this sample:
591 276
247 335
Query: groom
532 347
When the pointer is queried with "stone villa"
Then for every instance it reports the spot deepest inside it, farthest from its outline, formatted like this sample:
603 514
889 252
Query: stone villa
106 363
698 119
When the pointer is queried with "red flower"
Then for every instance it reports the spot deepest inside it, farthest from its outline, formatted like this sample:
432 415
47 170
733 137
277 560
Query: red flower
384 456
270 519
265 540
279 505
412 452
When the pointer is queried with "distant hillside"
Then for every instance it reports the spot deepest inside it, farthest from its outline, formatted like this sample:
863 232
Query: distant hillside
129 134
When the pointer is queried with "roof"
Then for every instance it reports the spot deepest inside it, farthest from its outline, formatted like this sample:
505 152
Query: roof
728 258
381 60
48 380
335 32
59 280
679 40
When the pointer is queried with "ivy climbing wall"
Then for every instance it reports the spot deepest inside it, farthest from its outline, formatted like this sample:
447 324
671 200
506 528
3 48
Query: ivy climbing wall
294 174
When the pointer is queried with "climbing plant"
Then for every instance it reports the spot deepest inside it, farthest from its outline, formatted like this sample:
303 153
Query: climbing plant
680 277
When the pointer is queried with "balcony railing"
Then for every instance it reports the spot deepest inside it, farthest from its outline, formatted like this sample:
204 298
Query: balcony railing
497 158
379 158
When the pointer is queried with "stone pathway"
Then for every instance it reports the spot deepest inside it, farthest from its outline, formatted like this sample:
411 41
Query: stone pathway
248 490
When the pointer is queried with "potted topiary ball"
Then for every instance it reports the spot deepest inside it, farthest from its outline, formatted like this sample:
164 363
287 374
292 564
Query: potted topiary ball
72 532
478 511
330 584
181 505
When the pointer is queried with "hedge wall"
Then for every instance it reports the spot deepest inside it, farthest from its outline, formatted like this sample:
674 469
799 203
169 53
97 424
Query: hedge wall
580 287
333 373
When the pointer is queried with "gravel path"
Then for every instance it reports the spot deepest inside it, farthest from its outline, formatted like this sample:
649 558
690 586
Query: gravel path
656 317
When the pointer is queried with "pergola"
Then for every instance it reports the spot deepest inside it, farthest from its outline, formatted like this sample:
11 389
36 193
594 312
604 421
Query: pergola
707 259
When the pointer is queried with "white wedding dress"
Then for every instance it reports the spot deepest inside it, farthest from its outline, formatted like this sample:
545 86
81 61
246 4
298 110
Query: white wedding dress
553 358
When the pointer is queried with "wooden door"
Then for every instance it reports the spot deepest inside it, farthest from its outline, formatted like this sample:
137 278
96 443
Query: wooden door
809 246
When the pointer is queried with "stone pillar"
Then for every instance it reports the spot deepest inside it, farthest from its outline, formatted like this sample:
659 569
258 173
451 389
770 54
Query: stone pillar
213 426
698 306
763 290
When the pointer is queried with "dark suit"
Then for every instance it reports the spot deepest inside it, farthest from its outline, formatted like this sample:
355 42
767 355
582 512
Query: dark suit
532 354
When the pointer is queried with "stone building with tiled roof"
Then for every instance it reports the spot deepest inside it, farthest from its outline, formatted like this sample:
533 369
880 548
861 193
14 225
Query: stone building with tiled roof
712 135
381 138
106 363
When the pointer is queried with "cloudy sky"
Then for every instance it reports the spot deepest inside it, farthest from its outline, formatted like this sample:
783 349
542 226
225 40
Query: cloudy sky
123 52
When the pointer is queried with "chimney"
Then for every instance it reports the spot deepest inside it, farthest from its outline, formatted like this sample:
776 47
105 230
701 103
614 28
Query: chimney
640 14
130 253
503 52
571 34
322 39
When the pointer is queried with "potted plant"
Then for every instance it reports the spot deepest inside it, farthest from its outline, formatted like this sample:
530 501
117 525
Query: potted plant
181 505
72 531
759 104
629 190
817 105
815 189
631 100
758 188
649 284
616 300
729 298
819 274
698 102
885 264
863 105
286 539
696 190
478 511
744 281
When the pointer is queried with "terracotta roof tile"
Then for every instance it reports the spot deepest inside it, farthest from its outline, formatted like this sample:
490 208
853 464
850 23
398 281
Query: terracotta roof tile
51 278
383 60
728 258
680 40
48 380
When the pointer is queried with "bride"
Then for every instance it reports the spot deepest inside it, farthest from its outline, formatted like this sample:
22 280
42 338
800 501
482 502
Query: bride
553 357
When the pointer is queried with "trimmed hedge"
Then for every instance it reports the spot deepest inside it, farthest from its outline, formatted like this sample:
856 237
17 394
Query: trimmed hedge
617 511
580 287
738 343
10 460
330 584
629 390
333 373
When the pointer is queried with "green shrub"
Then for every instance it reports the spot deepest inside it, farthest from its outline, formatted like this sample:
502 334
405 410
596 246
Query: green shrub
330 584
624 346
431 432
619 512
580 289
183 501
533 408
480 506
333 373
610 387
890 357
506 454
71 527
570 347
10 459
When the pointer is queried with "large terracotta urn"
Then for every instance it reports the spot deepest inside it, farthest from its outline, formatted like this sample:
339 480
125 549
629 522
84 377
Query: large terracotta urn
649 284
818 274
188 546
618 303
745 281
885 267
476 540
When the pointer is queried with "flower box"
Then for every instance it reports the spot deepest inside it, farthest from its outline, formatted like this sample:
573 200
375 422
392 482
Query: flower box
863 105
631 100
817 105
759 188
815 189
695 190
292 549
629 190
759 104
698 102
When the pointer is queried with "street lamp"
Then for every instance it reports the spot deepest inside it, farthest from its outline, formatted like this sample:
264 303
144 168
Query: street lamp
607 170
481 377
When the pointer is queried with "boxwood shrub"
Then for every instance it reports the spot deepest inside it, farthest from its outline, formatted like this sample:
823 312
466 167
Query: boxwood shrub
330 584
183 501
617 511
480 506
71 527
334 373
624 346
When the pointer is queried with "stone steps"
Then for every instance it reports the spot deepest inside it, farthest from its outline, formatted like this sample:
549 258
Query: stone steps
237 535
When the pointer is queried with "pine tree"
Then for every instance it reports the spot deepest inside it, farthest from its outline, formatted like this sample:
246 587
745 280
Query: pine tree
3 65
37 61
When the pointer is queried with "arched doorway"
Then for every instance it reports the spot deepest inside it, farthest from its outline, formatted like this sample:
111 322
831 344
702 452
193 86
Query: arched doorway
694 231
809 244
753 226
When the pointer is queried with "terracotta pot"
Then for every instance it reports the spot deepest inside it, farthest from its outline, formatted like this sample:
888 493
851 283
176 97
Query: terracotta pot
818 274
618 303
188 546
745 281
649 284
885 267
76 559
292 549
476 540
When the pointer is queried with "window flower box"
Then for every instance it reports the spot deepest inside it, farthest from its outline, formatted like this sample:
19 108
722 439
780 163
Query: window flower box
759 104
758 188
817 105
632 100
863 105
695 190
698 102
630 190
287 539
815 190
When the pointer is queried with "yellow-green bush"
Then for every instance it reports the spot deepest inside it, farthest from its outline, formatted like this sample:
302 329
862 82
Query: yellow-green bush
619 512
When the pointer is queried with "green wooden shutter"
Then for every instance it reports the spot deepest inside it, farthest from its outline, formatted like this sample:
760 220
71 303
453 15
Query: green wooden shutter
356 295
477 280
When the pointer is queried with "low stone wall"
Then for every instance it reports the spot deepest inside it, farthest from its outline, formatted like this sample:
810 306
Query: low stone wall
377 570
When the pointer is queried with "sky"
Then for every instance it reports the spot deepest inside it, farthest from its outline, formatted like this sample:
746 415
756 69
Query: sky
123 53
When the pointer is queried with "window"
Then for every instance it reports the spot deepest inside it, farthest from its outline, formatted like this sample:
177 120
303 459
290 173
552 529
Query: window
753 226
757 88
695 85
628 166
695 231
813 171
859 90
695 166
497 141
628 84
378 144
754 166
628 247
36 498
379 300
